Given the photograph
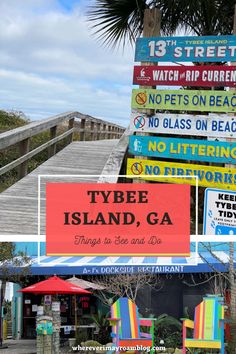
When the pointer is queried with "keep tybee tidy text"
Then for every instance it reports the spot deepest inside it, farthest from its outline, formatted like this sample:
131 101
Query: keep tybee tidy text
78 217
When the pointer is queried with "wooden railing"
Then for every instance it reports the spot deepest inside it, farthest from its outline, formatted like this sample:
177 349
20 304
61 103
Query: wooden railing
115 166
97 128
88 128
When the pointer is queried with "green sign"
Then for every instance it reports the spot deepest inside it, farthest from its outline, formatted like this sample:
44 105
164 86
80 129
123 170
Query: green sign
185 100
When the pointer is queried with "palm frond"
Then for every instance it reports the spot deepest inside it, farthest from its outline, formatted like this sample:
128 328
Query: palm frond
208 17
116 21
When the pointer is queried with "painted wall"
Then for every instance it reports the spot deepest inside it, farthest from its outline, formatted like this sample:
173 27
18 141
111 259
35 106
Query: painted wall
17 312
31 248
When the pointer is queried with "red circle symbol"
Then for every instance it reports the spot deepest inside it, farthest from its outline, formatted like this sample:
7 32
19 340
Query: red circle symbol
141 98
137 168
139 122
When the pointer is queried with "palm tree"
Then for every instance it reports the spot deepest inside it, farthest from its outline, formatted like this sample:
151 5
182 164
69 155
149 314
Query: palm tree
118 21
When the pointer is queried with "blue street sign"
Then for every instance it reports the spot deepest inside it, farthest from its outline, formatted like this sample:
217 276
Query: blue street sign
187 49
183 149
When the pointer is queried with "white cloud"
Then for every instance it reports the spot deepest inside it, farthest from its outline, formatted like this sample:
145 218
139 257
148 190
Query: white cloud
50 63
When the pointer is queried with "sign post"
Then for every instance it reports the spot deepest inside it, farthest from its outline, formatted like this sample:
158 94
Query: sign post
151 27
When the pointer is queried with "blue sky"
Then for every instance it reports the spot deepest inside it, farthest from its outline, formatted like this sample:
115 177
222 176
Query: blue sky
68 4
50 63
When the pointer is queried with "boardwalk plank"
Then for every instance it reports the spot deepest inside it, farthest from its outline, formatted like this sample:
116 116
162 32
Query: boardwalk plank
19 203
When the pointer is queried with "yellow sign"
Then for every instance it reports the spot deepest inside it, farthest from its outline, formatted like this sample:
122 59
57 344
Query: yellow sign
185 100
207 176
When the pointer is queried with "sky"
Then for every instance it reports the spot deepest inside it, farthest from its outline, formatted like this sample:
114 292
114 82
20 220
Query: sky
51 63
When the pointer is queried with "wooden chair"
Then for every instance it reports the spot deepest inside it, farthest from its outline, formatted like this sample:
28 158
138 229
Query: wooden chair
126 325
208 325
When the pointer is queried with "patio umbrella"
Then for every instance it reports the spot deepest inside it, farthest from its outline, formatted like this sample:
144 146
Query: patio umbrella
84 284
54 285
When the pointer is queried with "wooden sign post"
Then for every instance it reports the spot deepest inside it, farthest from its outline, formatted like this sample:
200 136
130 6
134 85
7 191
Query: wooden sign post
151 28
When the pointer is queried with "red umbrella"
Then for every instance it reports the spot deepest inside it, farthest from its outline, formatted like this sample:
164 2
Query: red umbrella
54 285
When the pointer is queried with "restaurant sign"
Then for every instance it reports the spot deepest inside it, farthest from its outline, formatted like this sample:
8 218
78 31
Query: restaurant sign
207 75
185 100
184 124
117 219
183 149
172 172
187 49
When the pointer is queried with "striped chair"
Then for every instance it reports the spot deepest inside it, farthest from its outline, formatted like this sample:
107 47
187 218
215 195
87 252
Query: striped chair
126 324
208 325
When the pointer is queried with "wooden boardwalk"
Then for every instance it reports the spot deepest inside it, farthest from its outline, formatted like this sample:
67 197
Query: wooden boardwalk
19 203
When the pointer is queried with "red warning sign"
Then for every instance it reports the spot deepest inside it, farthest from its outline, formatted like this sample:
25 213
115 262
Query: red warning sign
204 75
